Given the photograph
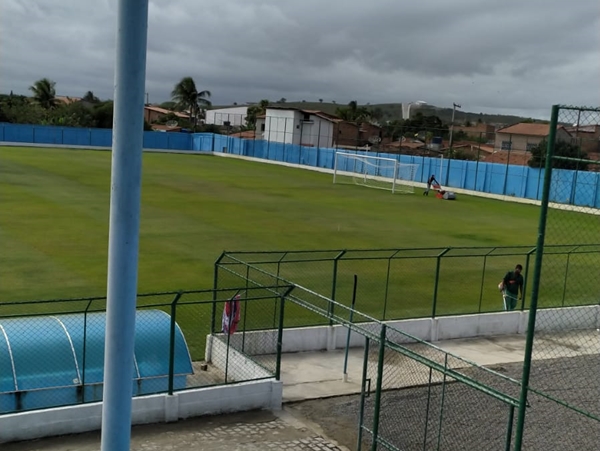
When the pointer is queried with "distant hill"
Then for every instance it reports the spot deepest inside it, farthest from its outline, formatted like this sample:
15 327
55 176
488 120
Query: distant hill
393 111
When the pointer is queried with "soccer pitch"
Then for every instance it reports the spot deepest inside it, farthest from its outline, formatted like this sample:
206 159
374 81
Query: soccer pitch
54 225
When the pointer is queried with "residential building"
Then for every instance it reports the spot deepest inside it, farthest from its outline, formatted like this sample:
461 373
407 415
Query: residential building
356 134
234 116
67 100
154 113
526 136
296 126
477 130
586 136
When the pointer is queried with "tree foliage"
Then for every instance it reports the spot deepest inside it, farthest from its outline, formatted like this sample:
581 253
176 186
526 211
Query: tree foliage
254 111
353 112
561 149
419 126
44 93
186 96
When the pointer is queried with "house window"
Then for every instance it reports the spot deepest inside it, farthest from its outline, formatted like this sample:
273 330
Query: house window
506 145
306 117
262 127
531 146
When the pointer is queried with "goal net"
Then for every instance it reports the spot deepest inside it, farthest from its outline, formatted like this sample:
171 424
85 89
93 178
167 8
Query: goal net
374 172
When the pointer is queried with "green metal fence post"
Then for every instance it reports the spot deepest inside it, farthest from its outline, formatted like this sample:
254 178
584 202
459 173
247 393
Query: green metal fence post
245 310
84 351
427 410
213 313
349 328
279 338
377 407
536 281
483 279
441 420
277 284
363 394
172 341
527 258
280 332
437 280
509 428
567 276
387 283
334 284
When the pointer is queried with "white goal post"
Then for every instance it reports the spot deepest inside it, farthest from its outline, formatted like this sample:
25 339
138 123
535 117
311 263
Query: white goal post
374 172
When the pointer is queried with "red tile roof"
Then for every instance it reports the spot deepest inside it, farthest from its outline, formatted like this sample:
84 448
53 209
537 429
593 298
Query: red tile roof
526 128
165 111
520 157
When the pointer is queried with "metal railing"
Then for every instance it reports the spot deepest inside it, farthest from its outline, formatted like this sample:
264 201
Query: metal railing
423 282
51 351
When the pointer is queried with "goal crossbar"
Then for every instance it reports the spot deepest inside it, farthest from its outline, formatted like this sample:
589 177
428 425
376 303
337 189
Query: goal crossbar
374 172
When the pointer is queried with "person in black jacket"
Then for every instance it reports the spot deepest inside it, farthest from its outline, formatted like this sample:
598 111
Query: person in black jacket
511 285
430 181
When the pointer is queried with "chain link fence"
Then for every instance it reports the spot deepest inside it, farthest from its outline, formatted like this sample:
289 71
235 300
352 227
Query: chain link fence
562 361
421 282
418 397
414 395
52 352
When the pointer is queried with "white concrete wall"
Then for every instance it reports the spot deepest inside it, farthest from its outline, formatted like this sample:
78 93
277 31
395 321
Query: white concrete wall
266 394
280 126
321 338
319 133
239 366
235 115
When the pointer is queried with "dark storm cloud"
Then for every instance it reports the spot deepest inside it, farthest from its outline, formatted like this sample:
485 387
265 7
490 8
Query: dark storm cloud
485 54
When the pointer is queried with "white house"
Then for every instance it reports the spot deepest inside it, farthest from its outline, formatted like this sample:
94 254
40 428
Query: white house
235 116
296 126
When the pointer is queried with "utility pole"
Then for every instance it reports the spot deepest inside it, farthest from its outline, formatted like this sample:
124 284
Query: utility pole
147 99
454 107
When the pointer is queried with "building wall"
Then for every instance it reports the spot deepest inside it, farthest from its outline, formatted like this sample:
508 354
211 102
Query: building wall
152 116
236 116
355 135
280 126
588 140
317 132
347 134
507 141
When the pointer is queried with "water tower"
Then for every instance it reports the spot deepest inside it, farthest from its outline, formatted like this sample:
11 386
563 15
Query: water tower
406 107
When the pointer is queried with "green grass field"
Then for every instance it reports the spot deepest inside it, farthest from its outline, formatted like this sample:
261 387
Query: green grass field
54 226
54 229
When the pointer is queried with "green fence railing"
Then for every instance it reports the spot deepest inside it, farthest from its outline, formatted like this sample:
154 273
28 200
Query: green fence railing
51 351
426 282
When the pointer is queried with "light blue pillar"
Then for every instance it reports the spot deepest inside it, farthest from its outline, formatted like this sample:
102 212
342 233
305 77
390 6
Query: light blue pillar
128 126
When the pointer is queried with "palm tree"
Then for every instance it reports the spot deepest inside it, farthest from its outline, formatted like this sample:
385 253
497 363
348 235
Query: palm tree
353 112
186 96
256 110
44 93
90 97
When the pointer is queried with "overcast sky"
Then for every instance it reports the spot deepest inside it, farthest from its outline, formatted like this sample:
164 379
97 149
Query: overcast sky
506 56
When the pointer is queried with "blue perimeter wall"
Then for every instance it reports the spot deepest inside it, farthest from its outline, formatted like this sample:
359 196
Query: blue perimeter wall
580 188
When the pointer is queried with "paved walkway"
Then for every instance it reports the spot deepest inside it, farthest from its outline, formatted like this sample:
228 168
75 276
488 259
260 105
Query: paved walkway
249 431
305 376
